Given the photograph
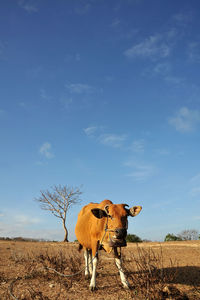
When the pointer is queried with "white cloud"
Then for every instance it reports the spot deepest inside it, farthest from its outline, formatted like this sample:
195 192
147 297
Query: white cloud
2 112
24 220
195 185
66 102
162 69
183 18
195 191
112 140
153 47
195 178
28 5
89 131
72 57
185 120
79 88
163 152
174 79
23 230
82 8
141 172
43 95
45 150
194 52
138 146
2 48
115 23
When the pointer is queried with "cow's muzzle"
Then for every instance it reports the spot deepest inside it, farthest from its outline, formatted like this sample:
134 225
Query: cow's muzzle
121 233
119 238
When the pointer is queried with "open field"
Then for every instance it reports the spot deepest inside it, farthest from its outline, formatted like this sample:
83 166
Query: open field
169 270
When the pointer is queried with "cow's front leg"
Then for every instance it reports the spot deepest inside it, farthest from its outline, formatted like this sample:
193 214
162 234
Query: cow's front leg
94 255
93 279
121 272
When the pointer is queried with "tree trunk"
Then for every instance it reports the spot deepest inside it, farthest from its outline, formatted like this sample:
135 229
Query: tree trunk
66 232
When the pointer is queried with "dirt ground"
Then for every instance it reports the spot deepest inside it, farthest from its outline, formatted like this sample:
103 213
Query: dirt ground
168 270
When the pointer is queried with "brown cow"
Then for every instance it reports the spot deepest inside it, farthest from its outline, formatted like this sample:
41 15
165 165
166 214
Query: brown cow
103 225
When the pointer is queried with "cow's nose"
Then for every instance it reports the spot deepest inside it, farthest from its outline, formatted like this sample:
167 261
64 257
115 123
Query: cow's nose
121 233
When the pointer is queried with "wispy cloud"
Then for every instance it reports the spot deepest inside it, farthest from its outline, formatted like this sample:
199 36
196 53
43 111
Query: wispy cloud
185 120
140 171
194 52
183 18
72 57
138 146
89 131
44 95
79 88
165 70
82 8
174 79
115 23
24 220
112 140
66 101
28 5
2 49
195 185
163 152
46 151
153 47
2 112
162 68
195 191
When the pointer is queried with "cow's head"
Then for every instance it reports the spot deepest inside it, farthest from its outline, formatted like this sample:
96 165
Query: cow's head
116 221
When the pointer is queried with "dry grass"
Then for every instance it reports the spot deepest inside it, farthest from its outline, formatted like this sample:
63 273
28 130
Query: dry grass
154 271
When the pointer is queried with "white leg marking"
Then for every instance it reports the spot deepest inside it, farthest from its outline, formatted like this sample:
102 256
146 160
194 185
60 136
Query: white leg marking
90 262
86 263
93 279
121 272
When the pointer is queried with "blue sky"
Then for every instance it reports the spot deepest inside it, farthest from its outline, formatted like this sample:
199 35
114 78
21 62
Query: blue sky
103 94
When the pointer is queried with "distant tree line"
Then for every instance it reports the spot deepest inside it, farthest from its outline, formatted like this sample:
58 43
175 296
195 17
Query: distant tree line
185 235
133 238
23 239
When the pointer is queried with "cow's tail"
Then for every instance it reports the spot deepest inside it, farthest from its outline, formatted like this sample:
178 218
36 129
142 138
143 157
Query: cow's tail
80 247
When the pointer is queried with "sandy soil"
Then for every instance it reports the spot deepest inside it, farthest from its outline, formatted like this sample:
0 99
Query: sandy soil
169 270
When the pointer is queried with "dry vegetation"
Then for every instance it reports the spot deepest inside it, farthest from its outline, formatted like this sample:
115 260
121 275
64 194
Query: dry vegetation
169 270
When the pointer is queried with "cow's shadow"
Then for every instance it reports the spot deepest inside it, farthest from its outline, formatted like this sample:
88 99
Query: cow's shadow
187 275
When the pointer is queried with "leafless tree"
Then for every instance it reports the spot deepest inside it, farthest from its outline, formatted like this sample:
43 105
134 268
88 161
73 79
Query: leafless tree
58 201
189 234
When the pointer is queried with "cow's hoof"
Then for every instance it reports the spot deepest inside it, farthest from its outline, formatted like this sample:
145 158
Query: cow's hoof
87 276
93 288
126 286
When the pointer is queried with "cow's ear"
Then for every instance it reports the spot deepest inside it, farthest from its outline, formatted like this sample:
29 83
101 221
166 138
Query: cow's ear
106 209
134 211
98 213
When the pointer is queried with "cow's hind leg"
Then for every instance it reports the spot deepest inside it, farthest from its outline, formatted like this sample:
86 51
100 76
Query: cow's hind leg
121 272
90 265
86 254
